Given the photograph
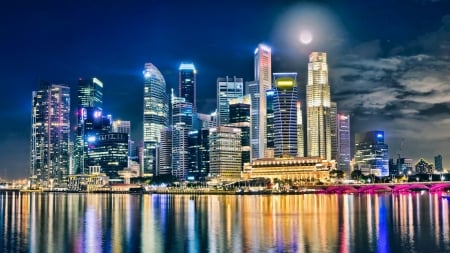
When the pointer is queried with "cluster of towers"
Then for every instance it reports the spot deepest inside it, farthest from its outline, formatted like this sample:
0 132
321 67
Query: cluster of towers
253 120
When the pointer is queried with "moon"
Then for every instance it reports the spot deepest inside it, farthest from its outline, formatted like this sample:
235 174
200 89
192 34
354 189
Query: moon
305 37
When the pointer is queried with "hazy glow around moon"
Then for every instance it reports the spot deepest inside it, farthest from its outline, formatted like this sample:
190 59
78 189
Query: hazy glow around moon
305 37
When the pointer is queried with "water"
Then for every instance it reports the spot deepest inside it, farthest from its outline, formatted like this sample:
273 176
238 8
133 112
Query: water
66 222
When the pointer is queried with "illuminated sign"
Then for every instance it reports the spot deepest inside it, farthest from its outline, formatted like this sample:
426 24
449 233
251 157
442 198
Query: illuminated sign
285 83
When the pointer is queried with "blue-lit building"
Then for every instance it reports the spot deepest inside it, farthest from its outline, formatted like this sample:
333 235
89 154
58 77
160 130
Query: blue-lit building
198 154
239 117
343 143
188 83
155 118
227 88
50 135
371 153
109 151
285 114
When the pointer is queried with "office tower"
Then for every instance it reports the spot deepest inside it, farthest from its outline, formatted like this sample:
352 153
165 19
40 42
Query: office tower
180 151
89 108
318 107
225 153
438 163
182 112
300 139
285 114
187 83
227 88
270 144
109 151
50 135
165 153
343 143
333 131
371 154
198 154
257 90
239 117
124 126
156 111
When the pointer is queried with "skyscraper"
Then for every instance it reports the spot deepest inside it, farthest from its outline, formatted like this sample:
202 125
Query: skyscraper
50 134
257 90
285 114
227 88
165 150
187 83
371 153
438 163
300 138
89 109
156 110
334 131
240 118
343 143
225 153
318 107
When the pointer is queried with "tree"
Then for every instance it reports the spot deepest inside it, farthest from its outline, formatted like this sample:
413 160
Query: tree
356 174
336 174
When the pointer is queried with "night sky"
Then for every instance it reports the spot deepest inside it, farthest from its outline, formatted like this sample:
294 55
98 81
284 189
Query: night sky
389 61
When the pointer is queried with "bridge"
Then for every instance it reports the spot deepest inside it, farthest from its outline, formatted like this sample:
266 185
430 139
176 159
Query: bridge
387 187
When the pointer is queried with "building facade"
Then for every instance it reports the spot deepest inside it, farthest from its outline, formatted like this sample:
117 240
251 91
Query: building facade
155 118
187 87
285 114
227 88
343 143
50 135
371 154
240 118
225 153
318 107
257 90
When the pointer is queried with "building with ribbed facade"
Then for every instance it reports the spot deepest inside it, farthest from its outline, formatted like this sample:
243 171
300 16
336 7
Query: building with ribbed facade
165 153
257 90
50 135
227 88
300 137
155 118
318 107
285 114
225 153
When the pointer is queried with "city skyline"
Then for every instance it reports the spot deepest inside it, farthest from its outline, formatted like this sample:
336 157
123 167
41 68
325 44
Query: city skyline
391 78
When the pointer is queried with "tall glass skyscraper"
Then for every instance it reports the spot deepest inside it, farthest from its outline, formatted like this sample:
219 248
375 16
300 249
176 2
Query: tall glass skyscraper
318 107
187 83
371 153
227 88
89 111
285 114
343 143
257 90
156 111
50 134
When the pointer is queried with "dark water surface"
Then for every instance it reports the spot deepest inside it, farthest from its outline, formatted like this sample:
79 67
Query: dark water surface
66 222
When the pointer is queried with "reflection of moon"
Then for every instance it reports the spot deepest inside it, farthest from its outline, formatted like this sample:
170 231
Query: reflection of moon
305 37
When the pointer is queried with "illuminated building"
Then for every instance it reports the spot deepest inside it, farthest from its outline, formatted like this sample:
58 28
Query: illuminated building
109 151
202 120
227 88
300 138
156 110
165 153
423 166
89 108
50 134
343 143
334 131
187 83
371 154
124 126
239 117
257 90
182 112
285 114
318 107
198 154
225 153
270 145
180 151
307 169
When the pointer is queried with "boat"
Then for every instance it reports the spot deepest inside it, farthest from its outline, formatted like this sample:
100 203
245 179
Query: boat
446 195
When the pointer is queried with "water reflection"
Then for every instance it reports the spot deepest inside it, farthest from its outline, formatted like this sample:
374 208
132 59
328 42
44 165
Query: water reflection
60 222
